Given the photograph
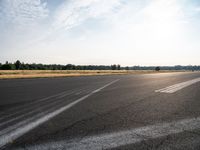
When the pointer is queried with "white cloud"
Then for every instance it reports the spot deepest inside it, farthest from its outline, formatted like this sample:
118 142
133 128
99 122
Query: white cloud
73 12
21 23
197 9
163 10
22 12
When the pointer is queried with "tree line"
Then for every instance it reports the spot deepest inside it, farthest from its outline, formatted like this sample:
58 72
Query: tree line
177 67
26 66
33 66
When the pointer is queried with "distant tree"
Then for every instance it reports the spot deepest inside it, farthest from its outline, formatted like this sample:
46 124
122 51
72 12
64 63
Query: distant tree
113 67
73 67
17 64
118 67
6 66
157 69
126 68
69 67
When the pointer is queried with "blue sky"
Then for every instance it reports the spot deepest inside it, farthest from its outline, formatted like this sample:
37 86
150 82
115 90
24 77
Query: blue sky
128 32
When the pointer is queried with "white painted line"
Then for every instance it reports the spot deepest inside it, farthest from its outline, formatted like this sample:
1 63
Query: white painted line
14 134
122 138
176 87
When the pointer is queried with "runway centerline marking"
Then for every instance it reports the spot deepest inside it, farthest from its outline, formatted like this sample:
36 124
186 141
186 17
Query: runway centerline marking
14 134
176 87
123 138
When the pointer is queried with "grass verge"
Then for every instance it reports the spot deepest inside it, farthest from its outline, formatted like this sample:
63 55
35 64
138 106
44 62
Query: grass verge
13 74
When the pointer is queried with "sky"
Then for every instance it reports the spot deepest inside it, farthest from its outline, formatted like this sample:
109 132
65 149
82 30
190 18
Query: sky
101 32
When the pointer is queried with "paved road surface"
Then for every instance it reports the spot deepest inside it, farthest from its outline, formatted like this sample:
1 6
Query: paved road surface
152 111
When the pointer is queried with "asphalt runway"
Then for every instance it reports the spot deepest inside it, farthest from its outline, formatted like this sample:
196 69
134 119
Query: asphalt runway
150 111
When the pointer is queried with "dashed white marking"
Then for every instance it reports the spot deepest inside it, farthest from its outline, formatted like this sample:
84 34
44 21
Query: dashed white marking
16 133
122 138
176 87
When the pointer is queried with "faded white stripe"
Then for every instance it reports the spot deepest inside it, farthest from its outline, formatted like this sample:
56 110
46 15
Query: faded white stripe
14 134
122 138
176 87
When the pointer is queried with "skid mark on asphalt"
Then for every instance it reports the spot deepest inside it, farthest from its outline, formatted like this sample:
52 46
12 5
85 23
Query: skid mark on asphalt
19 109
33 111
122 138
13 132
176 87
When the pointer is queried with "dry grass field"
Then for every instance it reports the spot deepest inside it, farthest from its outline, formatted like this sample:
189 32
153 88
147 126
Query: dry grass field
9 74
